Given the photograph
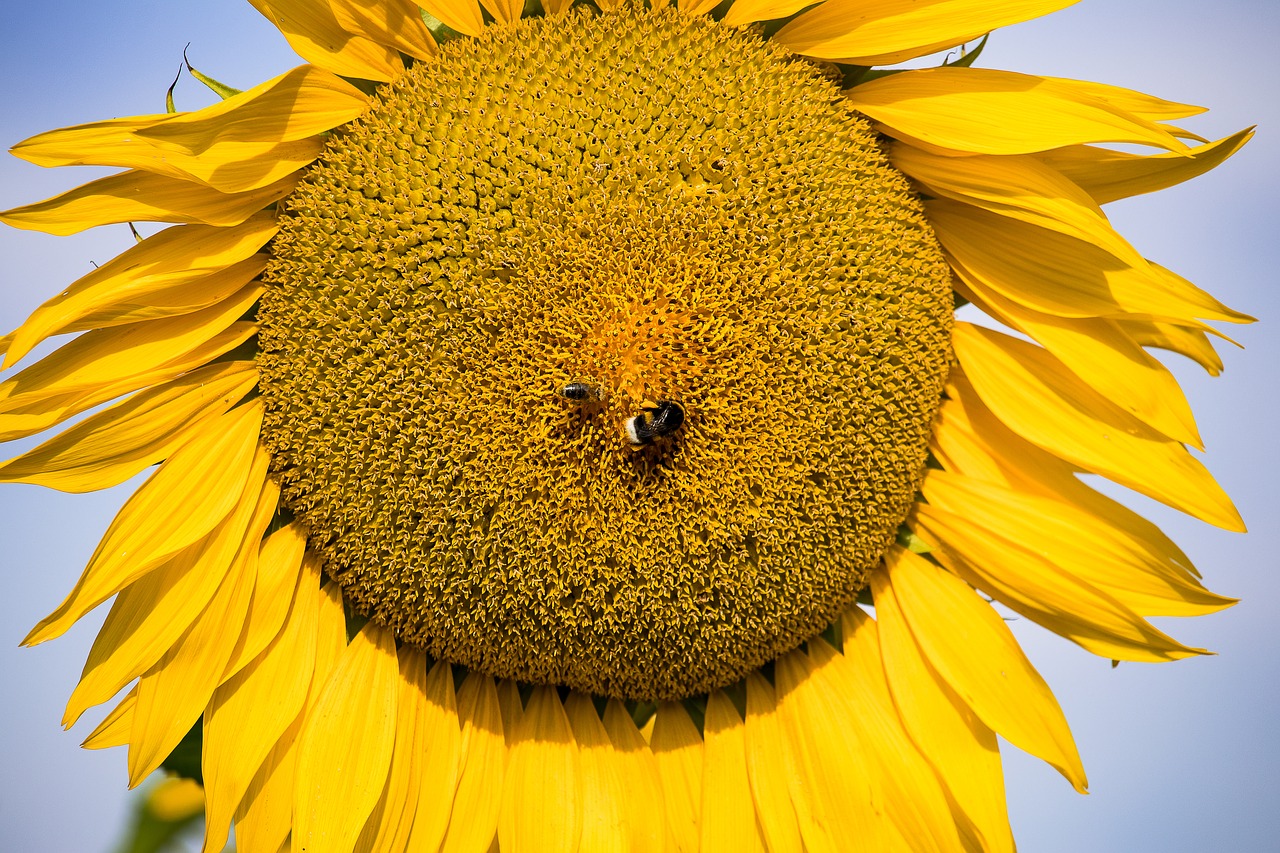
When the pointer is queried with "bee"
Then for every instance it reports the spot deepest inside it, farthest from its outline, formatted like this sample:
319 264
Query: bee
579 392
662 418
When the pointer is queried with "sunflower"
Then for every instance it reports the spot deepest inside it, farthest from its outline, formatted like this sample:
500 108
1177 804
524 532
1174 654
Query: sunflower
566 438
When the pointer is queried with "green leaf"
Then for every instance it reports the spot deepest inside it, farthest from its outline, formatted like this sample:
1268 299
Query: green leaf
184 761
151 831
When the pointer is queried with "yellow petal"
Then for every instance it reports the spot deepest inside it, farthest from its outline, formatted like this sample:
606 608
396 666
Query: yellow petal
255 138
1016 186
556 7
1099 352
1131 101
438 763
175 691
176 298
395 23
728 813
744 12
473 821
388 826
244 142
193 491
832 786
504 11
111 446
264 817
296 105
696 7
1035 397
968 439
279 560
901 778
150 615
115 727
772 771
1087 546
1193 343
315 34
983 111
604 787
136 196
249 713
101 365
512 710
84 144
1015 575
961 748
1110 175
26 417
1053 273
1208 307
968 644
113 142
344 750
233 167
542 789
166 274
461 15
885 32
642 805
677 749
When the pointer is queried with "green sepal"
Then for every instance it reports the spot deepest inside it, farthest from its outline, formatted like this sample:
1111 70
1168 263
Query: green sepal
912 542
222 90
697 708
168 95
368 87
852 75
832 633
642 712
866 75
967 57
355 621
440 31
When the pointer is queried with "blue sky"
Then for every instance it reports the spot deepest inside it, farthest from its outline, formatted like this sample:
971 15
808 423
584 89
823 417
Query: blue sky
1181 757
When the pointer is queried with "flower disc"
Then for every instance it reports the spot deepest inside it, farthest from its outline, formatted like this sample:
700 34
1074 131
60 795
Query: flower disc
560 202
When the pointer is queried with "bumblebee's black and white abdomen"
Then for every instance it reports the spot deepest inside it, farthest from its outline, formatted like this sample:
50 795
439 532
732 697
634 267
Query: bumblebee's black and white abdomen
653 422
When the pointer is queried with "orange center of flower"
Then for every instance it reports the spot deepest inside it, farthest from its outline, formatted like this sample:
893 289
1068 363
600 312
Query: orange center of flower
492 294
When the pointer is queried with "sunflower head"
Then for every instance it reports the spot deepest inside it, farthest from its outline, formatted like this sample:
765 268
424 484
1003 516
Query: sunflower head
535 398
557 203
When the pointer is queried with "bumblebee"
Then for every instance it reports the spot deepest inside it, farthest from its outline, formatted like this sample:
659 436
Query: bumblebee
661 419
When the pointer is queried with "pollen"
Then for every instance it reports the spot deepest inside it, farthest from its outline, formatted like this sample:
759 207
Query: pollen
661 209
